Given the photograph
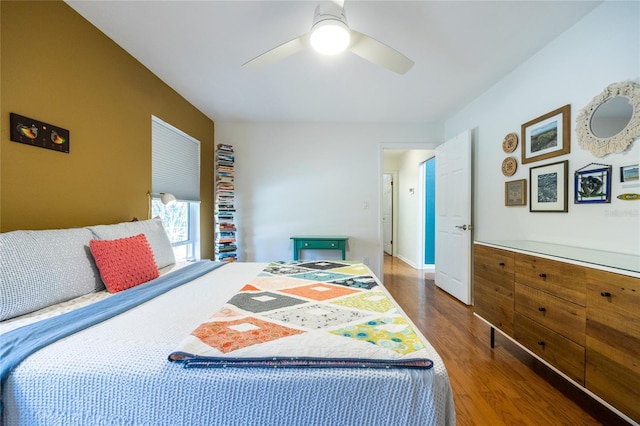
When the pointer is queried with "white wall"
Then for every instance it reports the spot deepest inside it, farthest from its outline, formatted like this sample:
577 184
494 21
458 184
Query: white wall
602 48
313 178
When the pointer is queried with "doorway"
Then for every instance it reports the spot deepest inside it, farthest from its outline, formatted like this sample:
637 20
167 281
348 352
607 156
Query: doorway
402 166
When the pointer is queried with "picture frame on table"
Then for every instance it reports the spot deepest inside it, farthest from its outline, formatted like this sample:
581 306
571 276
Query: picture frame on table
547 136
548 186
593 186
515 193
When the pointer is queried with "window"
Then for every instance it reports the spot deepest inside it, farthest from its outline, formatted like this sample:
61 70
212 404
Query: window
181 221
176 170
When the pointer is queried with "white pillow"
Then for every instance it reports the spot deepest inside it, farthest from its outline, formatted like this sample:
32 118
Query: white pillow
152 229
42 268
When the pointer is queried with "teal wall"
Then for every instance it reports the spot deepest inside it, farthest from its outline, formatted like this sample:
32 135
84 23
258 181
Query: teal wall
430 209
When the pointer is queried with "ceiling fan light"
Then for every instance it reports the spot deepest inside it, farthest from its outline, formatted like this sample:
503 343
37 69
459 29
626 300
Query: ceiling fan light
330 36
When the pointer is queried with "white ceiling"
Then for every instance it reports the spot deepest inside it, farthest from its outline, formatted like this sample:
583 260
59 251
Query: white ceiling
460 49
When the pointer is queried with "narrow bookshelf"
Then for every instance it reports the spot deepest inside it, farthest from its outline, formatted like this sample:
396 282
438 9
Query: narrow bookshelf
226 249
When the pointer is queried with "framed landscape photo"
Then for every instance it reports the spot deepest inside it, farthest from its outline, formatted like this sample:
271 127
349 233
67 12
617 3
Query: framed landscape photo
547 136
629 173
515 193
548 187
593 186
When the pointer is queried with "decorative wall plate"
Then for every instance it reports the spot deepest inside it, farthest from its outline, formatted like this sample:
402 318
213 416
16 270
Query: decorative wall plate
509 166
510 143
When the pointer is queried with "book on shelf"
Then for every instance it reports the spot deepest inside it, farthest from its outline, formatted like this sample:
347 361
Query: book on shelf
224 147
222 249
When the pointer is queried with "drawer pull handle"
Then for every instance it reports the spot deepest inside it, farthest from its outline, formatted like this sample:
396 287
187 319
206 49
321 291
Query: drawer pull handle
501 264
541 309
333 244
306 244
605 294
540 342
543 276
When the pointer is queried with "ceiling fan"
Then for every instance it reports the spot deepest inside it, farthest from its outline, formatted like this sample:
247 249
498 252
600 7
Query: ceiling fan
330 34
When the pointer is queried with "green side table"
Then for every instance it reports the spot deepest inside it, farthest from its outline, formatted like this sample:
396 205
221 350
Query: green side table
319 242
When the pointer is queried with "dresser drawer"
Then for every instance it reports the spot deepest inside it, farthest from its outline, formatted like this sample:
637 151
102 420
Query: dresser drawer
494 266
493 286
613 340
561 316
564 354
320 244
494 306
560 279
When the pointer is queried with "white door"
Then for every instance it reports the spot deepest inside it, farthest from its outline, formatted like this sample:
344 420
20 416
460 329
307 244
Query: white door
387 213
453 217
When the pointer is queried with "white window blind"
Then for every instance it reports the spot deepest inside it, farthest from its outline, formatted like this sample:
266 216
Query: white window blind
175 162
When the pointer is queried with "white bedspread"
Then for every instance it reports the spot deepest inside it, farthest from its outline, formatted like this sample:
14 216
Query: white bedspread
117 373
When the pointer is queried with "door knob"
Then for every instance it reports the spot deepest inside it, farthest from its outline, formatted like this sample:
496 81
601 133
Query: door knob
464 227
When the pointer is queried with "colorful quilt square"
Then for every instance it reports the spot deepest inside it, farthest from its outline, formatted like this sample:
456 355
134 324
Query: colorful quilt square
277 282
393 333
322 276
263 301
316 316
374 301
322 265
226 312
364 281
229 336
355 269
283 269
320 291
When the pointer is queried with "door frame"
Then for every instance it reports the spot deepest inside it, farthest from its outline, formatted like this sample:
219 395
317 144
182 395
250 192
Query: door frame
381 149
394 207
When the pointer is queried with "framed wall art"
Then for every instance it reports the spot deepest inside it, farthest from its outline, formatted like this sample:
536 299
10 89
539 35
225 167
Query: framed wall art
629 173
548 187
515 193
37 133
594 185
547 136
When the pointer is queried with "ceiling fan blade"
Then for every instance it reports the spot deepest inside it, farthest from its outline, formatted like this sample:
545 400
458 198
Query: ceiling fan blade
278 53
379 53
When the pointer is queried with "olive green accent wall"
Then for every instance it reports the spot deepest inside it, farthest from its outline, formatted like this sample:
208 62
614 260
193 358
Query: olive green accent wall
58 68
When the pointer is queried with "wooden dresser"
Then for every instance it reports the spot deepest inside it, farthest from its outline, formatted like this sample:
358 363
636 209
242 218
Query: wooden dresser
580 318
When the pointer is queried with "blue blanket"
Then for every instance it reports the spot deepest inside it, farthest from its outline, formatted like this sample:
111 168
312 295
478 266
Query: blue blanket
18 344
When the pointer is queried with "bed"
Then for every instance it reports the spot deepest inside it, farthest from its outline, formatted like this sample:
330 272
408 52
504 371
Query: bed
118 370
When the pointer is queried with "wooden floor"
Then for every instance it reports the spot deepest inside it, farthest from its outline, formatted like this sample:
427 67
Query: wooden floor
500 386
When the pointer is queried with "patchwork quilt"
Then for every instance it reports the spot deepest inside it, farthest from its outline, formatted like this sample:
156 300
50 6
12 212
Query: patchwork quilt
307 314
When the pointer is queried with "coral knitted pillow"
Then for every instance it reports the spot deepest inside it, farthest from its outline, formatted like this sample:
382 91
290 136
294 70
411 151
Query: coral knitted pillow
125 262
